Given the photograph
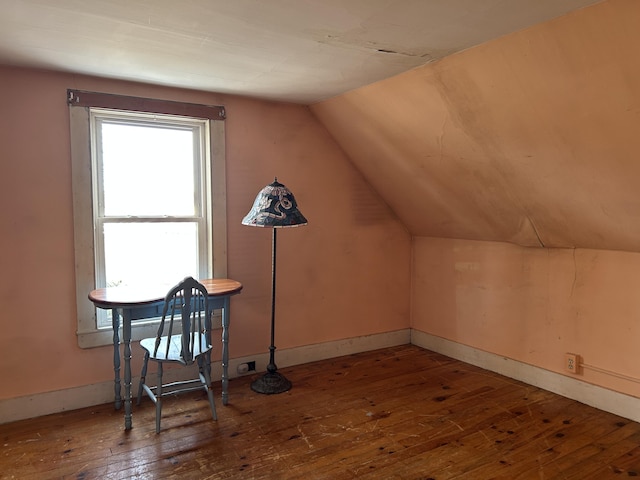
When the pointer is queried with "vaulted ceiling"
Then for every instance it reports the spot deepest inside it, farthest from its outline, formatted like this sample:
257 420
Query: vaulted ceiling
533 138
529 137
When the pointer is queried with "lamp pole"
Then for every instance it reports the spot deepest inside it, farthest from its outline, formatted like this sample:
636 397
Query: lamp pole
272 381
272 368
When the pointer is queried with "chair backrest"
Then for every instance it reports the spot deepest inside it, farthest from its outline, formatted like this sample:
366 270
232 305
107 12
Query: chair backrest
186 303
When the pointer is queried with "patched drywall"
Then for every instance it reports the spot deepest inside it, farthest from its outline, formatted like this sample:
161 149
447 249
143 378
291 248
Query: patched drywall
534 305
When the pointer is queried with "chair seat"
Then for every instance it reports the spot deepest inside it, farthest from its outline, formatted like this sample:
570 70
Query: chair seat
175 348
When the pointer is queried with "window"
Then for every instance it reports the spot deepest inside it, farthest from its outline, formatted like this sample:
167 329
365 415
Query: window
146 183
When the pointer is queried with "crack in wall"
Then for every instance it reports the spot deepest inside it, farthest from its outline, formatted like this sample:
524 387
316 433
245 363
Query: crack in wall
535 230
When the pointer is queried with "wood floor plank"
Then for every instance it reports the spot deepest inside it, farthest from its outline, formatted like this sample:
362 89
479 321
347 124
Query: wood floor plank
401 412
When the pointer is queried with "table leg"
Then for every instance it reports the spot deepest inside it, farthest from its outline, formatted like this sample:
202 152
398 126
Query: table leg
115 322
126 334
225 352
207 357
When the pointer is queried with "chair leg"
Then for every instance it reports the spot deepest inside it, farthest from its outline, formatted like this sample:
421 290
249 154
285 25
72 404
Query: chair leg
159 398
143 376
206 376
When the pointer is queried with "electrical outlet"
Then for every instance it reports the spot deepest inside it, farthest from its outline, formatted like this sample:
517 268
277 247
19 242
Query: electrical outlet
246 367
571 363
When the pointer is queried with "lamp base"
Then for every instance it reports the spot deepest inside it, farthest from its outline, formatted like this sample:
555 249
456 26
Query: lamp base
270 383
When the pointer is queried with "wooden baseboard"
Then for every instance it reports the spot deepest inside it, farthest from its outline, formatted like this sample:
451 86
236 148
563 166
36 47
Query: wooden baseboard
36 405
13 409
592 395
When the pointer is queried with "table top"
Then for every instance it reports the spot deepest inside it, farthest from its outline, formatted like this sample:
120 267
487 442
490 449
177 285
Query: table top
113 297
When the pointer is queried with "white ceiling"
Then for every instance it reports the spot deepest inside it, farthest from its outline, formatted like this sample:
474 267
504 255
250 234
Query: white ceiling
300 51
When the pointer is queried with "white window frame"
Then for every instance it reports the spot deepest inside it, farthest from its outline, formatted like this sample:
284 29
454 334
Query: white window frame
88 333
201 215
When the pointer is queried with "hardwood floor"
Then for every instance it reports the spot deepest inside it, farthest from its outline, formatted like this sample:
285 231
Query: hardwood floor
397 413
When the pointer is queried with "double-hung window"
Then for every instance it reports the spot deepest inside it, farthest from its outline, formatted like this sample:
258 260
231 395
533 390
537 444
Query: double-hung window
148 199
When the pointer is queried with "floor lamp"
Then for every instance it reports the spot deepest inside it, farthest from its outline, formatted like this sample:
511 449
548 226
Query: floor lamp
274 207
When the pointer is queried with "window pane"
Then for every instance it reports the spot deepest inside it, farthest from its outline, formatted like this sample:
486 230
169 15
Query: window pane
147 170
138 252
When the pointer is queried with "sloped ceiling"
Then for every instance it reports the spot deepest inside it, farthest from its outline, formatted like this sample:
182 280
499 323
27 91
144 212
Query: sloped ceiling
498 120
291 50
533 138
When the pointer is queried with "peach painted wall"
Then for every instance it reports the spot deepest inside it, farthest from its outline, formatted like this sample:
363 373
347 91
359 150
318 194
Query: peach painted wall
345 275
532 140
532 304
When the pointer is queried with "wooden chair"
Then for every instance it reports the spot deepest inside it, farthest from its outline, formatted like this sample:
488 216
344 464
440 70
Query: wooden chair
182 339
